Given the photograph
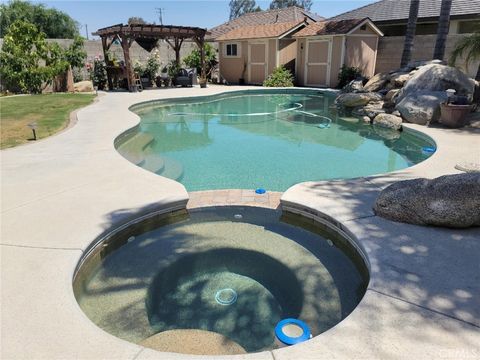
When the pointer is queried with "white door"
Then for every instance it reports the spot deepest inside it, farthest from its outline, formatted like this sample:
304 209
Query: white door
317 62
257 62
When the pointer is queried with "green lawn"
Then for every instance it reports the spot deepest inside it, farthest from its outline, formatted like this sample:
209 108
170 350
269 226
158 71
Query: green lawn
49 111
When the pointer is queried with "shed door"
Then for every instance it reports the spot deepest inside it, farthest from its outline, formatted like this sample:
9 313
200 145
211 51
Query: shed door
317 64
257 62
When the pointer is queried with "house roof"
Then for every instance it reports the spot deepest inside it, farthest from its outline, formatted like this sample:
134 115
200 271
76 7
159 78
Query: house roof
260 31
285 15
390 10
330 27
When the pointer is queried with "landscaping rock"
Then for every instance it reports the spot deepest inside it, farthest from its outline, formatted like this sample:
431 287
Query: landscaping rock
386 133
374 108
468 167
449 201
353 86
391 94
357 99
438 78
377 82
366 119
83 86
399 79
422 107
388 121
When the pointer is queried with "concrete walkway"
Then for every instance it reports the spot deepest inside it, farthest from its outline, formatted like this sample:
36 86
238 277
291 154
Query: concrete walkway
60 194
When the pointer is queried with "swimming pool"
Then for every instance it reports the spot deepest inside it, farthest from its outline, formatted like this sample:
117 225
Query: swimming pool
263 138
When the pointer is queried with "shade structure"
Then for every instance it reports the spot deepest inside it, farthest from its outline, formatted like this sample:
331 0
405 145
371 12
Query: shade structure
147 35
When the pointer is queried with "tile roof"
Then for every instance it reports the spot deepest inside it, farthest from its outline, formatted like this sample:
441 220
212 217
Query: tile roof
290 14
387 10
259 31
330 27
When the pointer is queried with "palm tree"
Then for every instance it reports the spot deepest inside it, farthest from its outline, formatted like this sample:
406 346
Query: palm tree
442 32
469 47
410 34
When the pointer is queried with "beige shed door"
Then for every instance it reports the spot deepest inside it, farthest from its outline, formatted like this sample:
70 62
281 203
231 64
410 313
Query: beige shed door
257 62
317 65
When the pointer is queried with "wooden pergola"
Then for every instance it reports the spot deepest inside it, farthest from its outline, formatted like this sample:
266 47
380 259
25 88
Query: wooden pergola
146 36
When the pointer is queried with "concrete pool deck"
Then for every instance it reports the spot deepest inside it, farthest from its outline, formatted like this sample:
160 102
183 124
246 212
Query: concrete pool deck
62 193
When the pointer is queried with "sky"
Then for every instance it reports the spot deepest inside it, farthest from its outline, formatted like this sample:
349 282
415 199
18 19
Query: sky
202 13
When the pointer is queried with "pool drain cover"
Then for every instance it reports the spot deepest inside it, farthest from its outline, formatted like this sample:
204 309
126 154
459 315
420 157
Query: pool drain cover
226 296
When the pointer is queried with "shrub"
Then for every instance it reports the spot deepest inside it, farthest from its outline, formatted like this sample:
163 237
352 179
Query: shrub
23 52
280 77
193 59
98 74
173 68
347 74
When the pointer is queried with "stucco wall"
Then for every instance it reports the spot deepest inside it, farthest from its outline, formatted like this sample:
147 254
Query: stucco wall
336 62
390 51
272 55
232 69
287 53
360 53
300 73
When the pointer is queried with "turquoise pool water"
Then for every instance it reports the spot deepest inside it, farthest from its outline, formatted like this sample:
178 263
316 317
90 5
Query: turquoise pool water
263 138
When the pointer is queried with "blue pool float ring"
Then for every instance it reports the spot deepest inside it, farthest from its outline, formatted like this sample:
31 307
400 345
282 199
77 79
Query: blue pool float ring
260 191
288 340
428 149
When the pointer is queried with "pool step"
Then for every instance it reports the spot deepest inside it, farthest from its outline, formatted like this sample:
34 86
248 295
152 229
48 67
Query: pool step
172 169
132 149
154 163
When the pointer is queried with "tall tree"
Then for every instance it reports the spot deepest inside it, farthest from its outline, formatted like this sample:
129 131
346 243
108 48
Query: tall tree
410 34
136 20
54 23
240 7
442 32
469 48
280 4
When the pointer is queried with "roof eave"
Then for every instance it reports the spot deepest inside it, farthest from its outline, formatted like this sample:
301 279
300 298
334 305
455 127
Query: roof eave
369 22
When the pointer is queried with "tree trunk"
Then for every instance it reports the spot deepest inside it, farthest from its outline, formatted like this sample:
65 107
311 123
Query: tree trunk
442 32
477 77
410 35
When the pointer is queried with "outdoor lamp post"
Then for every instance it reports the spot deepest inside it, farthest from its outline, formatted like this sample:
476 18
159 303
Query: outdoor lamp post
33 126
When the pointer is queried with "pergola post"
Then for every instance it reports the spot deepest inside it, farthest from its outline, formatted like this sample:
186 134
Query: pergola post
128 63
200 41
176 46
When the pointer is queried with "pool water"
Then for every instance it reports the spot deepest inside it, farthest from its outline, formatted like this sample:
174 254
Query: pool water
263 139
212 271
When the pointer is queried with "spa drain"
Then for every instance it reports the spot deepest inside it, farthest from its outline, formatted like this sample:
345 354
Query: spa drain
226 296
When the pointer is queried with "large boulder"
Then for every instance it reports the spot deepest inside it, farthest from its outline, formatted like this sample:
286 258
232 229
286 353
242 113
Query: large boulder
83 86
388 121
437 77
422 107
449 201
357 99
377 82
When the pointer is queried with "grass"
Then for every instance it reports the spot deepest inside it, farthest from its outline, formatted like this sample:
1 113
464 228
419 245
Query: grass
50 112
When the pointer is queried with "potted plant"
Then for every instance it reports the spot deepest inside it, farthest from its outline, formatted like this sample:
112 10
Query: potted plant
454 111
203 82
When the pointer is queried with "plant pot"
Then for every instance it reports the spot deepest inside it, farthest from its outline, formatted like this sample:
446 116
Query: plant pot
146 82
203 83
453 116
